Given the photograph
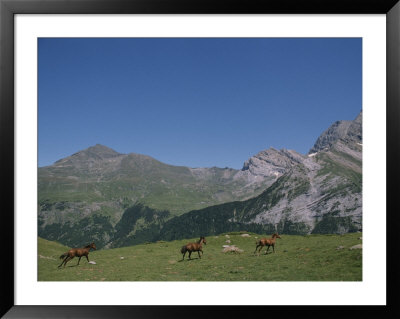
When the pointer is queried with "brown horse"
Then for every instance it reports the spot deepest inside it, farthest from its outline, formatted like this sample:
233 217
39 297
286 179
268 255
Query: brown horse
76 252
267 242
191 247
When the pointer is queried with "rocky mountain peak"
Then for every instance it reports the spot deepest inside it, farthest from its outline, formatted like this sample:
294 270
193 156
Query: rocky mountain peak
272 162
340 130
354 133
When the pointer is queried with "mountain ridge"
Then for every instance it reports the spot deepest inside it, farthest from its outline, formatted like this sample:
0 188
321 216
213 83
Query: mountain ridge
275 189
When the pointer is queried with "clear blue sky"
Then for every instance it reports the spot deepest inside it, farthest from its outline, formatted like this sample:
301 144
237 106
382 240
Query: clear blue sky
195 102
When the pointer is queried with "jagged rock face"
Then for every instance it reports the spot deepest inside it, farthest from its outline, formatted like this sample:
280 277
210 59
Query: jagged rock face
312 193
350 131
272 162
332 175
354 133
335 132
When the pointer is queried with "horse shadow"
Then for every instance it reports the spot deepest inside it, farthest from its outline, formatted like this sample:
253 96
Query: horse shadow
262 254
69 266
182 260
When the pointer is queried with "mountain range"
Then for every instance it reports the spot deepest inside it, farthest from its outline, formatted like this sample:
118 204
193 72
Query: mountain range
119 199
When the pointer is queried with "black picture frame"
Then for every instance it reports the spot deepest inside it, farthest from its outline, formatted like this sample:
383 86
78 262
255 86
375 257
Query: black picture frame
8 8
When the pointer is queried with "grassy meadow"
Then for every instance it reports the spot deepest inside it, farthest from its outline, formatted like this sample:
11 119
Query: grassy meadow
296 258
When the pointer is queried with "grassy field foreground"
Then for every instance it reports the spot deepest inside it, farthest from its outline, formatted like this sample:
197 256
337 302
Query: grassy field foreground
297 258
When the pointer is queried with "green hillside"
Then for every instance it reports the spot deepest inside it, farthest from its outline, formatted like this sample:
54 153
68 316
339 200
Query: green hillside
98 177
297 258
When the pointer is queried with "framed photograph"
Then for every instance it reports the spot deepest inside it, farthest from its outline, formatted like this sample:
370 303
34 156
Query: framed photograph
137 127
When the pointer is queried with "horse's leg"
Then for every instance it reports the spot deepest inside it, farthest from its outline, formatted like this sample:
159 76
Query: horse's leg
256 249
267 250
273 248
79 260
63 261
183 257
87 257
198 252
190 253
67 260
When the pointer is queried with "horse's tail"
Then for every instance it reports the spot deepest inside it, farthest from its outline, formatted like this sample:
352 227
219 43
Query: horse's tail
64 255
183 249
257 241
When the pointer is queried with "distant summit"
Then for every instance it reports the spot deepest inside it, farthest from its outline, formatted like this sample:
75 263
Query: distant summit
102 151
88 157
91 154
350 131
